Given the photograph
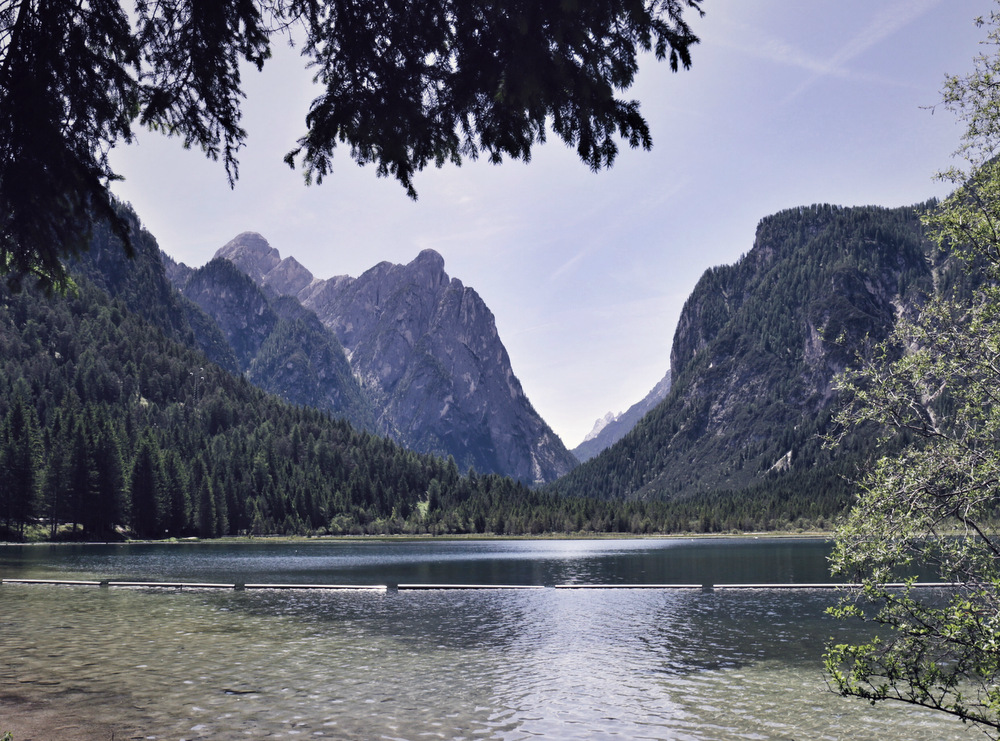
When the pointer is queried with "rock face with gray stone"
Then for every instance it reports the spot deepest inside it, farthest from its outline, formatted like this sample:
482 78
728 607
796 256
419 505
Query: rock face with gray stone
427 354
278 344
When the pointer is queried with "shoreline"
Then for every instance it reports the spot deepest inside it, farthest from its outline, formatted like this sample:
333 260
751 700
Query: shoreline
303 539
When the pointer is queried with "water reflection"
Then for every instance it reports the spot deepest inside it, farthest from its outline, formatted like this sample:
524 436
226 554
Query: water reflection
434 561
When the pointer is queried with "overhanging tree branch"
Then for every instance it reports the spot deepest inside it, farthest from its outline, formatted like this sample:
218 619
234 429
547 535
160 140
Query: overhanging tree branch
404 85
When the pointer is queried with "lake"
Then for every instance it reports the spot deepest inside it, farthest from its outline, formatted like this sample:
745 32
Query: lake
438 664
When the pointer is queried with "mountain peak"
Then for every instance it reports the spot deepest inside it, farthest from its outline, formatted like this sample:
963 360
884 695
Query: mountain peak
251 253
429 266
613 427
251 243
429 257
427 355
600 425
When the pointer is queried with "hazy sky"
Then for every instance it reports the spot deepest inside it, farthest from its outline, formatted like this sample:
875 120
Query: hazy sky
788 103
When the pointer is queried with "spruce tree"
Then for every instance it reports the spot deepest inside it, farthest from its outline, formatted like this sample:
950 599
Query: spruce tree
81 487
20 456
104 511
177 494
403 85
146 489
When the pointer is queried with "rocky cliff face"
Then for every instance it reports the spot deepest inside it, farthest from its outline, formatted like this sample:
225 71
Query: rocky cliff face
756 350
426 351
279 345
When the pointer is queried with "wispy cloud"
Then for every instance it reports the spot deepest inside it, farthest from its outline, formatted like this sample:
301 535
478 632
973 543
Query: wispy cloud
569 264
889 19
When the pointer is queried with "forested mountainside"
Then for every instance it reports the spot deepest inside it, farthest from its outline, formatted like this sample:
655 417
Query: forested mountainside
113 422
426 350
754 357
613 427
111 425
141 286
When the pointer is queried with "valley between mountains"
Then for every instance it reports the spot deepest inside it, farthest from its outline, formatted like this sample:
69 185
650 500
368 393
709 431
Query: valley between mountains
247 395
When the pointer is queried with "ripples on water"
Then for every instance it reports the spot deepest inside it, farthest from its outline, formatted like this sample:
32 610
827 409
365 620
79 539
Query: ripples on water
624 664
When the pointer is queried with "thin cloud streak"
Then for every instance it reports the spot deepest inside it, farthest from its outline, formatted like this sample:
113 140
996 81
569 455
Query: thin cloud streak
886 23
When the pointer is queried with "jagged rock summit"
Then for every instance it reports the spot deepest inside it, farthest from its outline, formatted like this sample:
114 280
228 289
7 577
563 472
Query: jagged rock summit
254 256
426 350
613 427
600 424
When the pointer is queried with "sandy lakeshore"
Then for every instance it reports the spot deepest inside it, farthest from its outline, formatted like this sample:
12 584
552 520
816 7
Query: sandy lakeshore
47 720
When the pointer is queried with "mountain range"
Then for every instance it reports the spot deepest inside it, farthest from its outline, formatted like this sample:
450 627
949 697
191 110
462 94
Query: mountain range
406 351
146 374
402 350
126 410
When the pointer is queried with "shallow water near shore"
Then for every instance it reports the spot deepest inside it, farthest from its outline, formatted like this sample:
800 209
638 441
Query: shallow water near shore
492 664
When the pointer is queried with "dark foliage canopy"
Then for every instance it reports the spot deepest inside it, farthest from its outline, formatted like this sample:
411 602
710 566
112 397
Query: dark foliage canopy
402 85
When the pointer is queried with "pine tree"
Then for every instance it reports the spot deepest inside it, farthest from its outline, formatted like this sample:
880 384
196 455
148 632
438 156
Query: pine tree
104 510
59 444
207 514
176 494
82 485
146 489
20 456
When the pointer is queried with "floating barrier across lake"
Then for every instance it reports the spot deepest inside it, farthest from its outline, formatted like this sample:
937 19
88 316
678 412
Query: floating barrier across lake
633 586
171 585
341 587
413 587
59 582
192 585
418 587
